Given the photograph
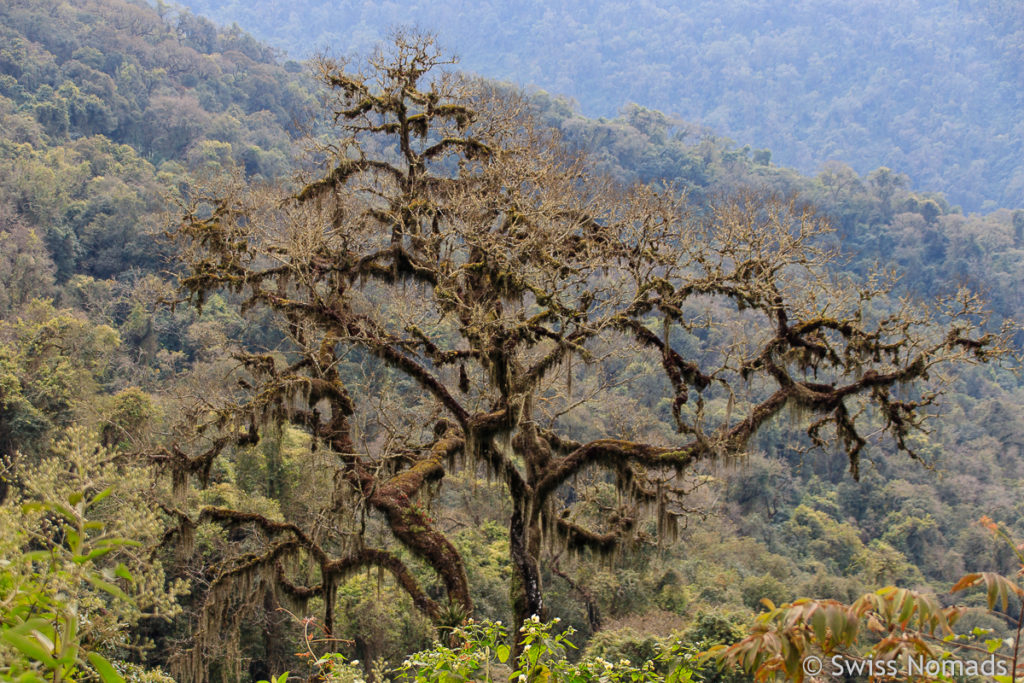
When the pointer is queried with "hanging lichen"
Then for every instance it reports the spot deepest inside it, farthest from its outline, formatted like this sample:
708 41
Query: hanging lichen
435 234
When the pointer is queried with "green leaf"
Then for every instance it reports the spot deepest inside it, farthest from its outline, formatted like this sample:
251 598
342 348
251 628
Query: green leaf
67 513
101 495
33 624
108 587
503 652
29 647
819 626
96 552
118 543
108 674
993 644
44 640
907 609
37 555
121 571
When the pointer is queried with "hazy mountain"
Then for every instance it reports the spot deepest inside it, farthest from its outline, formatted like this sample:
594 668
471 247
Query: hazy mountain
931 88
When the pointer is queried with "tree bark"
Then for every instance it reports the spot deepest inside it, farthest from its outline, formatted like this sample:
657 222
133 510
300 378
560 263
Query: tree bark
526 590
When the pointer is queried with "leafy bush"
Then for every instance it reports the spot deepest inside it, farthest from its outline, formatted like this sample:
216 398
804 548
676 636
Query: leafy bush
75 576
480 651
889 628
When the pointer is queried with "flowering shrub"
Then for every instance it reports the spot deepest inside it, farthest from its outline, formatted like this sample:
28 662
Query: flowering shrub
480 651
483 655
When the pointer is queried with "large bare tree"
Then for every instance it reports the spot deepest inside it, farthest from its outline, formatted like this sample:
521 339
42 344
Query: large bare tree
452 241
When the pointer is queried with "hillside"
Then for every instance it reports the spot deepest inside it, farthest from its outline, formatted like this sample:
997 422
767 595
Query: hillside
930 88
159 370
103 103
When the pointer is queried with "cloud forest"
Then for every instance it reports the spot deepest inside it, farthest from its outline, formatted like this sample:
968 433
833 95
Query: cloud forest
377 366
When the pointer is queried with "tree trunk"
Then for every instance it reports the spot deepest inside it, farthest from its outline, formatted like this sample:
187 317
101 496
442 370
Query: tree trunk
527 598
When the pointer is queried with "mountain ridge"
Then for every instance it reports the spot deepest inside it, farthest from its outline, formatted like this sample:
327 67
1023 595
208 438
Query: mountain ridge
931 90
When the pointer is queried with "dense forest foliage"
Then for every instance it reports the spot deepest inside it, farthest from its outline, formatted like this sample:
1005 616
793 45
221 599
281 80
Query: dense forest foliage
116 117
930 88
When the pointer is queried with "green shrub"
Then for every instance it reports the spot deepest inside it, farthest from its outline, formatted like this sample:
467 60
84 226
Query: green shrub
73 581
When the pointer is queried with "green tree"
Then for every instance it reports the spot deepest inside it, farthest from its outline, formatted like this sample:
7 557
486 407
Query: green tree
26 270
50 361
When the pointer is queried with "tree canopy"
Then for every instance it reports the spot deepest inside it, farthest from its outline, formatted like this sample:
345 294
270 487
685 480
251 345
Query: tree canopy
455 247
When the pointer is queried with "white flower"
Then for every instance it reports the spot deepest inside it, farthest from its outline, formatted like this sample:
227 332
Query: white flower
497 623
354 662
555 620
522 678
535 619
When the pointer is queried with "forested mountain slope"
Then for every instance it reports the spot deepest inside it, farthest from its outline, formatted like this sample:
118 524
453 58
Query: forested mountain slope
99 98
113 113
930 88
